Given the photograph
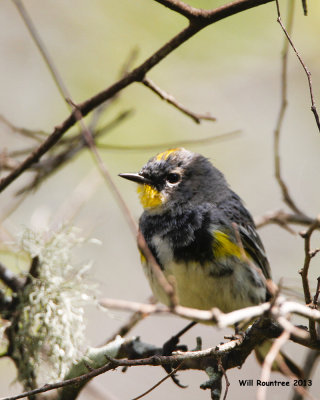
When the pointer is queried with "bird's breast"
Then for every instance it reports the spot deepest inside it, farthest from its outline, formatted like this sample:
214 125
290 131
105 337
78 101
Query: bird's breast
226 284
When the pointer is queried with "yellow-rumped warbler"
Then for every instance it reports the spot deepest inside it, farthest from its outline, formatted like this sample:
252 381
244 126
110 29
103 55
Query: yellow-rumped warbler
188 225
200 233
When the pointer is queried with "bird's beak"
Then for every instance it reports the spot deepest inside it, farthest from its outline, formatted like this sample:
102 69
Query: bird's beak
136 178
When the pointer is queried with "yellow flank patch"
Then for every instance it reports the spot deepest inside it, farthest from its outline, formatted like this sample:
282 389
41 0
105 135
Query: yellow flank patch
224 247
149 196
165 154
142 257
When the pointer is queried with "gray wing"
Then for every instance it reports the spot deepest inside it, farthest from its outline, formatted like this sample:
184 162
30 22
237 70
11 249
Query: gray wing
253 246
235 211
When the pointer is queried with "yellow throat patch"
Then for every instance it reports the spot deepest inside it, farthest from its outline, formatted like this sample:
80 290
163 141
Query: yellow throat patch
149 196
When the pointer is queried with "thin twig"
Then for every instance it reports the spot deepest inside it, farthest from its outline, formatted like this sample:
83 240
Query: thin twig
316 296
180 7
171 100
305 270
35 135
226 379
308 73
57 385
309 364
283 218
169 145
203 19
308 256
67 97
133 320
105 172
13 206
167 287
284 102
305 8
231 354
102 108
281 308
43 51
159 383
74 146
89 139
268 361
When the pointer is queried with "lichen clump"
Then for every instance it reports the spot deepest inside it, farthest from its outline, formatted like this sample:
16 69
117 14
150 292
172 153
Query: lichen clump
50 326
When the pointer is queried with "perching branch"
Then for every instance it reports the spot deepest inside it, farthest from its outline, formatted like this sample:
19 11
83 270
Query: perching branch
279 311
228 355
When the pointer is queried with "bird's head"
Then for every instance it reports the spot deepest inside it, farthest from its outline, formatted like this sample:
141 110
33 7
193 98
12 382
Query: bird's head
175 177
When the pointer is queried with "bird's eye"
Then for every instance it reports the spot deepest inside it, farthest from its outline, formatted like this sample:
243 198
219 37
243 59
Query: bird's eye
173 177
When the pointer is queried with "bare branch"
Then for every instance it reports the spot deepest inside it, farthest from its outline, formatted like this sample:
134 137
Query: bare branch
133 320
171 100
167 287
308 73
226 379
309 364
281 308
230 355
106 174
35 135
283 218
57 385
200 16
268 361
85 131
284 102
71 148
159 383
316 296
305 8
304 271
136 75
178 143
41 47
181 8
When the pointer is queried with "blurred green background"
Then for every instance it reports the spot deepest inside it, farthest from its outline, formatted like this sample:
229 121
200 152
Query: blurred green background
231 69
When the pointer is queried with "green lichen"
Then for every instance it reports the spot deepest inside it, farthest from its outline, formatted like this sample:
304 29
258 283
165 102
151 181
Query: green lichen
50 327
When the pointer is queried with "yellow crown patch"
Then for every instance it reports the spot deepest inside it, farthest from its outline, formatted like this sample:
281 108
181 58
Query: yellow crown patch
165 154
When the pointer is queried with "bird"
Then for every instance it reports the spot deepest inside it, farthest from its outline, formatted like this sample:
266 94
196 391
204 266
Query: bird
201 234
